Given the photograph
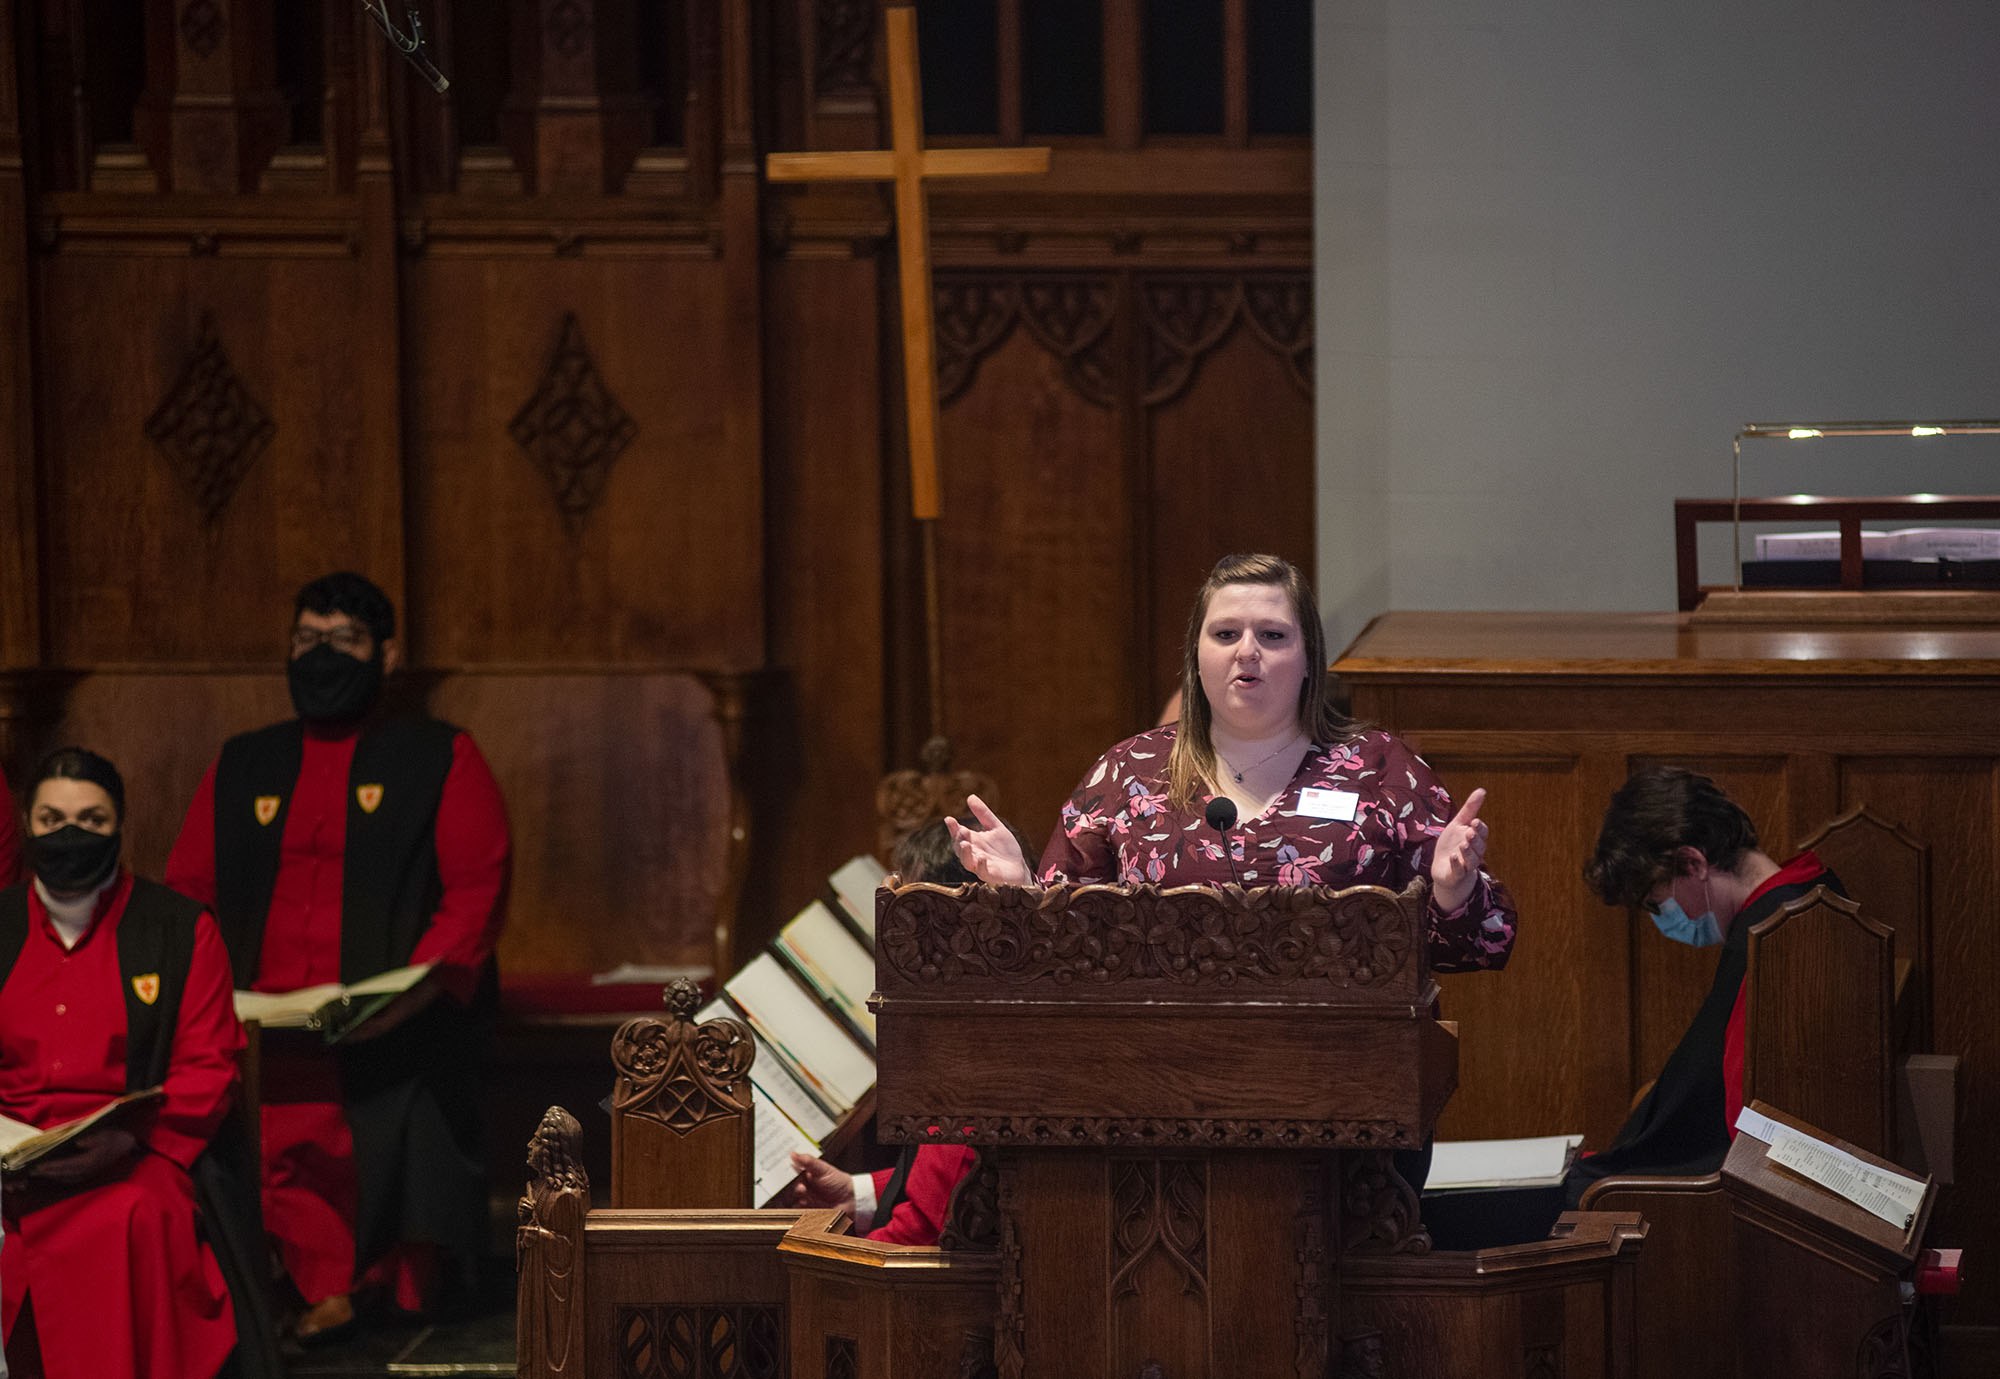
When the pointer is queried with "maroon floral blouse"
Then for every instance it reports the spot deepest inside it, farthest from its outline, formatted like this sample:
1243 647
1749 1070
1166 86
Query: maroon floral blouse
1117 827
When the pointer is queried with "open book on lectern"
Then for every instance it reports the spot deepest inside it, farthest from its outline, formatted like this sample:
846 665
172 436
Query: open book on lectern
805 1001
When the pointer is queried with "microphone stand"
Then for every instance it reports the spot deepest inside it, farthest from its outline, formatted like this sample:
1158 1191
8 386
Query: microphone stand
410 45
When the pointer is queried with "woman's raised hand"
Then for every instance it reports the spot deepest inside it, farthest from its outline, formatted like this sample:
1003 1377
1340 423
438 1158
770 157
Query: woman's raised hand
1460 851
990 852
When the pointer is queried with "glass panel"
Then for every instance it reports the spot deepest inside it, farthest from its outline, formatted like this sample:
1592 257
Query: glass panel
1281 66
1062 66
1183 66
958 46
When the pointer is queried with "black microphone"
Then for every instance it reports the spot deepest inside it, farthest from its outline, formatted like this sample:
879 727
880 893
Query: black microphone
1221 816
410 45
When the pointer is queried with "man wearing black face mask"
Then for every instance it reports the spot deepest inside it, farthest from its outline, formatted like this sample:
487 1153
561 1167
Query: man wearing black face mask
332 847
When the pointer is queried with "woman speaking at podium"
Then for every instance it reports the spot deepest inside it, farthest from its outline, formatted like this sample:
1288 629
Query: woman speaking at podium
1264 782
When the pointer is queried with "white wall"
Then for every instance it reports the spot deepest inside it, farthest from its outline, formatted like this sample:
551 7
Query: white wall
1565 247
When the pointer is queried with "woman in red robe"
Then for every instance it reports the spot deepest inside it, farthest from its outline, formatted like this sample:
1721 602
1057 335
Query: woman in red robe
103 1272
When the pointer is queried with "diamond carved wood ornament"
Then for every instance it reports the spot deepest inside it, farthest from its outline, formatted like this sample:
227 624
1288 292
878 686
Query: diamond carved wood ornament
208 426
572 427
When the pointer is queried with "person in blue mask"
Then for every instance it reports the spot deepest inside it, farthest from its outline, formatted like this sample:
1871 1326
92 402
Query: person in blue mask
1674 845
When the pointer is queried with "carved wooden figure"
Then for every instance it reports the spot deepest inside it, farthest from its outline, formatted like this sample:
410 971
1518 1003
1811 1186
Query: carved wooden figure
549 1254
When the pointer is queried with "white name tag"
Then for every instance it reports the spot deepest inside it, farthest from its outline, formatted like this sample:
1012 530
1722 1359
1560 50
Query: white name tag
1328 804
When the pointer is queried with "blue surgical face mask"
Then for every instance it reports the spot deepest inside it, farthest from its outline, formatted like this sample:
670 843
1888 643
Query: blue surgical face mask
1670 919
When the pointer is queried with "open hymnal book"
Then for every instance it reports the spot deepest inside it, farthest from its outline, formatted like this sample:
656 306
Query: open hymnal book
833 963
855 885
1501 1163
332 1008
821 1056
22 1144
777 1139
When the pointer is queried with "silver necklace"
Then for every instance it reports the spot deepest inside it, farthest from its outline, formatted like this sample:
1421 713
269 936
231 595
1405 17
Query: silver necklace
1289 742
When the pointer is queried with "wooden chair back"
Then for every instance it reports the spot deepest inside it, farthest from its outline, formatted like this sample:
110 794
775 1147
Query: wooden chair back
1819 1018
682 1136
1685 1274
1888 870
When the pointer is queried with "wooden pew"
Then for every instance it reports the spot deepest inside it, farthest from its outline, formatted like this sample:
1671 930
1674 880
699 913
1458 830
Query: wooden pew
1829 1012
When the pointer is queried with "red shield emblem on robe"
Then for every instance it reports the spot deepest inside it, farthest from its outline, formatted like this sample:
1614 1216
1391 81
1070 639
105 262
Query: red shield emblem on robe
368 797
267 808
147 988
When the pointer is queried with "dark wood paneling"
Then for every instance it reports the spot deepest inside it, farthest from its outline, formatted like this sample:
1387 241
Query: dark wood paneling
819 747
1799 725
1565 977
1034 548
162 731
617 794
136 569
665 566
1953 803
1226 474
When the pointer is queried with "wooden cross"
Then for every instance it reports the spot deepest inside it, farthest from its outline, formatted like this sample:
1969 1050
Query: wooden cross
907 164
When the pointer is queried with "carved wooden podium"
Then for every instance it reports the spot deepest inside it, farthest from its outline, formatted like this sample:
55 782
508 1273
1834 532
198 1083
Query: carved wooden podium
1188 1106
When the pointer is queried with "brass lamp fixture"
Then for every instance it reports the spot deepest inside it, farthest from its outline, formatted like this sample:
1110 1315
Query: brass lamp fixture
1815 430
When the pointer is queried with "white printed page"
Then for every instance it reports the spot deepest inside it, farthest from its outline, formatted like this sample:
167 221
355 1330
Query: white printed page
793 1022
777 1138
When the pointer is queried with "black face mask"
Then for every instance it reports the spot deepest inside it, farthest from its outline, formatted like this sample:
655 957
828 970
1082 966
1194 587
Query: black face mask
73 860
330 686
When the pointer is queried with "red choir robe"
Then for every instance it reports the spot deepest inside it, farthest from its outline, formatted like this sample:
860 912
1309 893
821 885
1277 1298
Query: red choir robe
119 1281
309 1178
919 1218
12 868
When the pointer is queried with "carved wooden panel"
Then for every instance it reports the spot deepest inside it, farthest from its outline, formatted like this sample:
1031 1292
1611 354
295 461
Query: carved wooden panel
677 1073
505 575
572 427
250 381
1297 941
208 426
1158 1260
715 1341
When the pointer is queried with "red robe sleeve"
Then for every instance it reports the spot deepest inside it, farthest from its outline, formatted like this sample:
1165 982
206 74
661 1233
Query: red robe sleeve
919 1217
1732 1063
474 863
12 867
191 865
201 1076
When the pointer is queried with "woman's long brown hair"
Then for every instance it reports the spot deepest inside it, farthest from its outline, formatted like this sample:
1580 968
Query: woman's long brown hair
1193 758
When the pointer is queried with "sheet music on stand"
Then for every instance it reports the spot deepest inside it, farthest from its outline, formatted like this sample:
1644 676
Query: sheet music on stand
1891 1196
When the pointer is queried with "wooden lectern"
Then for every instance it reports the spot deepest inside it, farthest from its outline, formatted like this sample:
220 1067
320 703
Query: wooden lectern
1188 1106
1822 1286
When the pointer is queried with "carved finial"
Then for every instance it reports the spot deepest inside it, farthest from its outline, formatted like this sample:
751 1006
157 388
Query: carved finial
682 998
936 756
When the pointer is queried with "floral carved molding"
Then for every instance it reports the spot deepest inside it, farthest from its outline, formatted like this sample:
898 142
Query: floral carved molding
678 1073
1181 317
1142 937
